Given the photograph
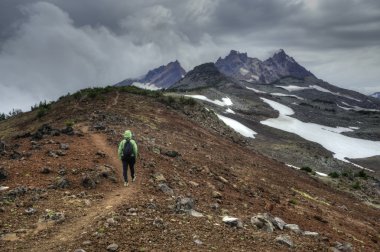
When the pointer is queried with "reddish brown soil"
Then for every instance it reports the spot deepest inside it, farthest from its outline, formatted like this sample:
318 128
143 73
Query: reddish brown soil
255 184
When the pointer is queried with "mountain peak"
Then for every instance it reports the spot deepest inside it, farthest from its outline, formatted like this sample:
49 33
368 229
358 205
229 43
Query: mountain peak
160 77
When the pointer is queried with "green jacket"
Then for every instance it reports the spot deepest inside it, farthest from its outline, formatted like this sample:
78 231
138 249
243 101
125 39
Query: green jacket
127 137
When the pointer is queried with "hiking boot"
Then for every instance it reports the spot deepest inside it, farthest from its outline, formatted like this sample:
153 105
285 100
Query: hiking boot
126 184
134 179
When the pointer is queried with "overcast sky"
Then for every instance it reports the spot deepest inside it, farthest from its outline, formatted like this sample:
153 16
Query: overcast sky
49 48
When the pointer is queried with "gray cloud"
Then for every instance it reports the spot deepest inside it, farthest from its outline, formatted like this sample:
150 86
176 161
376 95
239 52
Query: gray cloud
50 48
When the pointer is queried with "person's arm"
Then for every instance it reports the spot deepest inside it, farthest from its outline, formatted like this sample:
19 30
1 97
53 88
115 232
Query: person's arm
120 150
135 149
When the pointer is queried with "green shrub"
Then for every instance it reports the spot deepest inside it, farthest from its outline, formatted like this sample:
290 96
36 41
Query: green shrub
356 185
69 123
187 101
293 201
42 111
306 169
361 174
334 174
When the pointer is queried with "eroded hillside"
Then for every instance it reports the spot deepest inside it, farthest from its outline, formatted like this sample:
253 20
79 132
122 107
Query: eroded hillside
192 172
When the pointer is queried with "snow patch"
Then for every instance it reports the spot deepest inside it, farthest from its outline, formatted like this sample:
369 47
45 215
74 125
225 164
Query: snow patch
238 127
256 90
330 138
243 71
321 174
230 111
292 88
224 102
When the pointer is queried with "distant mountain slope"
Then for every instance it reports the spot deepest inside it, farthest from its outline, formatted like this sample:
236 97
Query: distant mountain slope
158 78
376 95
202 76
242 67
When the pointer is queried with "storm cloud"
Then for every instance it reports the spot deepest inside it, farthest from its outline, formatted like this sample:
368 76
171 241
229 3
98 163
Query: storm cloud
49 48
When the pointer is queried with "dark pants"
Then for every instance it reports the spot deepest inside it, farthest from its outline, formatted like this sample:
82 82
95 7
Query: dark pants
131 163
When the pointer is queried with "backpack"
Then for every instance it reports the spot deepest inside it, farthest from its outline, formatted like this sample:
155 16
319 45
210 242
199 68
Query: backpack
128 150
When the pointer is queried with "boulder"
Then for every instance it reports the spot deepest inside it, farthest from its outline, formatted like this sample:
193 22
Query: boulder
88 182
62 183
294 228
232 221
158 177
344 247
263 222
285 240
165 189
278 223
64 146
216 194
184 204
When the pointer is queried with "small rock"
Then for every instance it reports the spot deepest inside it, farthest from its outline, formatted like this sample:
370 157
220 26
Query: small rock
216 194
52 154
165 189
88 182
232 221
30 211
293 227
344 247
87 202
194 213
3 188
215 206
62 183
111 221
46 170
278 223
285 240
101 154
159 177
64 146
3 173
223 179
172 154
62 172
57 217
198 242
2 209
156 150
86 243
158 222
61 153
113 247
79 250
309 233
184 204
195 184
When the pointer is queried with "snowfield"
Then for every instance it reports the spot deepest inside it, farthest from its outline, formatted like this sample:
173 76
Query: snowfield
224 102
238 127
330 138
230 111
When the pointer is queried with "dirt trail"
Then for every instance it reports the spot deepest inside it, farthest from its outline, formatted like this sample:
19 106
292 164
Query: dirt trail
115 101
73 228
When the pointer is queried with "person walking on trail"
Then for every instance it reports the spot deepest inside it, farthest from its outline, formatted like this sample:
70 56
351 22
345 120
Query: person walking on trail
127 153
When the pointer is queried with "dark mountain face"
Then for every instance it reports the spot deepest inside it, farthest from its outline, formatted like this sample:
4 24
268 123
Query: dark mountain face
158 78
240 66
202 76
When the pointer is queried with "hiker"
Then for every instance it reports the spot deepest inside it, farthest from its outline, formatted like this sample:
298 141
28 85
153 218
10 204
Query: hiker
127 154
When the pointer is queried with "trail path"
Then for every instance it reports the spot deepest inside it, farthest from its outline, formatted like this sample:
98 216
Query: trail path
71 229
115 101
